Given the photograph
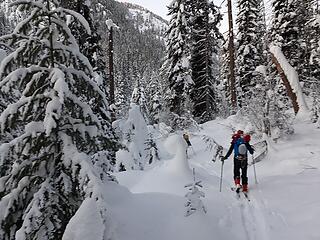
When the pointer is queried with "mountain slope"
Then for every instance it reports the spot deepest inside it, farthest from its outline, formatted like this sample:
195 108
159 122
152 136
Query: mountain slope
145 20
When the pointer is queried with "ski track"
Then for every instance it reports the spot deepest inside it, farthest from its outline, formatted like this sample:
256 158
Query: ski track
249 216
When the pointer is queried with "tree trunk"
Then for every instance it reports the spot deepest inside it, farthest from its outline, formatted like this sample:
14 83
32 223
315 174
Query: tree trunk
291 94
111 72
231 57
51 36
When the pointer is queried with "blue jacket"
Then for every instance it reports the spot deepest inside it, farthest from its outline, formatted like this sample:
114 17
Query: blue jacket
232 147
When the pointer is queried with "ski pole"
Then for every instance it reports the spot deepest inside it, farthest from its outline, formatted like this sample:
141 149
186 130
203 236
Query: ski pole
254 169
193 150
221 175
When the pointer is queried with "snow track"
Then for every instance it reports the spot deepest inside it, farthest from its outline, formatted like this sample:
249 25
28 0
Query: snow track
253 220
246 217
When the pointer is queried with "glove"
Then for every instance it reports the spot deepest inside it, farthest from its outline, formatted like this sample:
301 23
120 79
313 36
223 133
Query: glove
223 158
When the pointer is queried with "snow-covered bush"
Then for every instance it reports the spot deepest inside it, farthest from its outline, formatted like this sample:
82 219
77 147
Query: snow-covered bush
194 202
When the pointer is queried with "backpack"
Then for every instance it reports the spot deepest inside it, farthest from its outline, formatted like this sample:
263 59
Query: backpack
240 149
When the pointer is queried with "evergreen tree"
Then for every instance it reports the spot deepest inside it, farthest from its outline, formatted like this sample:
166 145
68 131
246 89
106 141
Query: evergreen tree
90 44
288 32
57 122
314 46
262 33
4 23
135 132
154 95
250 51
225 78
204 49
314 63
139 98
177 64
124 87
151 149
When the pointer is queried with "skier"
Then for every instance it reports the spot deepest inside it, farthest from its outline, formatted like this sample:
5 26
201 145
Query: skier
186 138
240 145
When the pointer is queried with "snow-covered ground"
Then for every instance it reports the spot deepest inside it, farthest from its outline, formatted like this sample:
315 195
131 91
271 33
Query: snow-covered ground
285 204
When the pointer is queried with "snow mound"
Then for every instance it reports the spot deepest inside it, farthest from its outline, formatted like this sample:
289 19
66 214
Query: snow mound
168 176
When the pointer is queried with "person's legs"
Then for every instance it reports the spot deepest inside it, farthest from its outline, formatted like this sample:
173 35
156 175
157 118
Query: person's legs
244 177
236 171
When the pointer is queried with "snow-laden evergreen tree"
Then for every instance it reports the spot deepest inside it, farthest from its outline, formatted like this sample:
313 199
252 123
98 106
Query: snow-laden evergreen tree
4 28
90 44
124 80
139 98
288 32
4 23
225 78
314 63
249 56
205 38
177 66
314 45
151 149
60 138
155 100
262 33
135 132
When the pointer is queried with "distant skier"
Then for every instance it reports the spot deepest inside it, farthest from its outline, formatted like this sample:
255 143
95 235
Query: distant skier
186 138
240 145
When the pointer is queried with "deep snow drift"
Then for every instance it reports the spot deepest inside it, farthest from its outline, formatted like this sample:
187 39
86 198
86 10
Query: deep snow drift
285 204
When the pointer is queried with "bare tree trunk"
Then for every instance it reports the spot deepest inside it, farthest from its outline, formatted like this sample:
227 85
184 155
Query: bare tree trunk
51 37
231 57
111 72
291 94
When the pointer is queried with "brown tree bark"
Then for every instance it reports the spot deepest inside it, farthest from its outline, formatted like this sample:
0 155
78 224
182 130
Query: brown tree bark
231 58
291 94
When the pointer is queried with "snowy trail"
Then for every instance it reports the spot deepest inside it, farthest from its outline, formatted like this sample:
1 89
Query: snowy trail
275 210
248 218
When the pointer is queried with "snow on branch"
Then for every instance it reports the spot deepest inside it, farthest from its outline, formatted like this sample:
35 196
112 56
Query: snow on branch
79 17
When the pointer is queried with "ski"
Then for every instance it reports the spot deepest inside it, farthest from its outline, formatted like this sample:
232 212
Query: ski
235 189
246 196
238 190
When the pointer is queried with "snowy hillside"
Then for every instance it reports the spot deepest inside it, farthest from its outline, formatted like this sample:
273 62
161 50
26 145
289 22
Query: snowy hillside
284 204
146 20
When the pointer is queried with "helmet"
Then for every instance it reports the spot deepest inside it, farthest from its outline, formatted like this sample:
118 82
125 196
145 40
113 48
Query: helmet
235 136
247 138
239 132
